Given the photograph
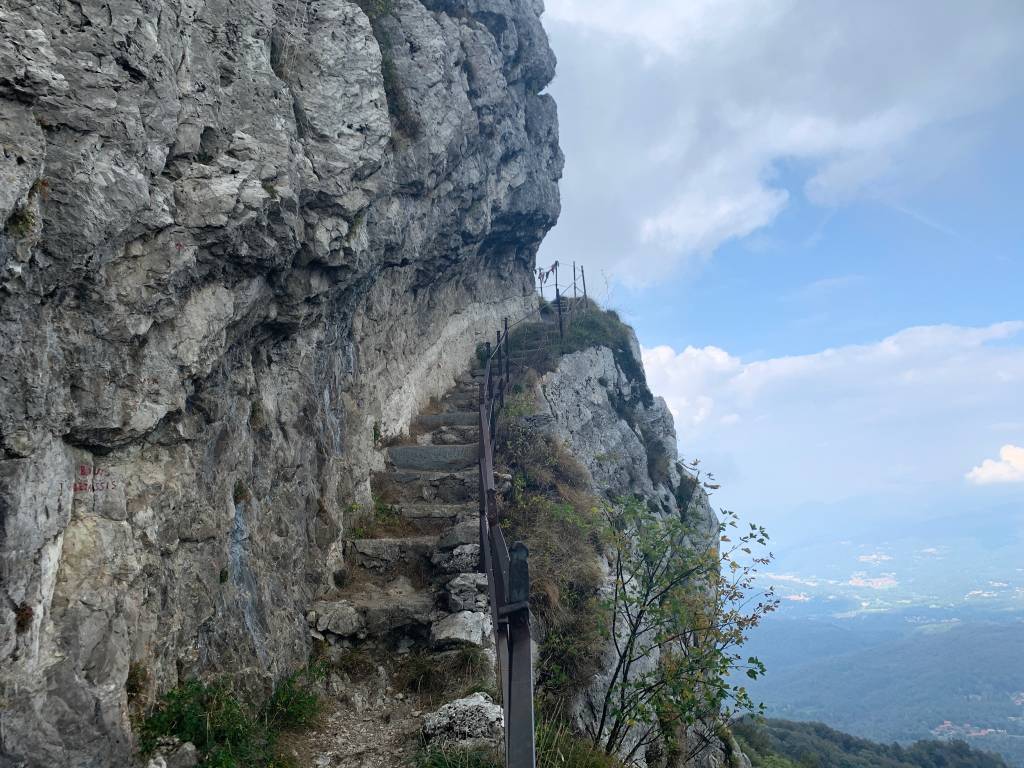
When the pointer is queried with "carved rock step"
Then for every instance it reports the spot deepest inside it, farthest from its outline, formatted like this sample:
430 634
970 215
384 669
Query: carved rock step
446 515
404 485
388 555
461 401
374 610
434 457
450 435
466 418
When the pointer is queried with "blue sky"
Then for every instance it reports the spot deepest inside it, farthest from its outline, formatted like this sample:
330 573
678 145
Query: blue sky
811 212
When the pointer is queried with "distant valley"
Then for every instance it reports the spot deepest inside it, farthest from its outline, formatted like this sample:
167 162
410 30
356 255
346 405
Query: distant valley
900 676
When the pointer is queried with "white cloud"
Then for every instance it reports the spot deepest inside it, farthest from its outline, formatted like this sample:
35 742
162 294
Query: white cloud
679 119
876 558
1008 468
885 581
900 413
791 578
976 594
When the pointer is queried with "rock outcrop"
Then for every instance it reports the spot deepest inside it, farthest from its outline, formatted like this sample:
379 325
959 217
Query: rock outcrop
243 243
625 438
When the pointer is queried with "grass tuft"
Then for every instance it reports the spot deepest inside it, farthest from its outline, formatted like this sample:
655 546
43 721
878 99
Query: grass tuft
382 521
438 675
438 757
227 732
558 746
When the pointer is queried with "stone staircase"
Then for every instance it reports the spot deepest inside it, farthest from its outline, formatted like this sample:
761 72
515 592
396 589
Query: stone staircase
412 580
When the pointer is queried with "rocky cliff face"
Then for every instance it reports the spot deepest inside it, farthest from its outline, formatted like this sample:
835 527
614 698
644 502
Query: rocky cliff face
626 440
243 242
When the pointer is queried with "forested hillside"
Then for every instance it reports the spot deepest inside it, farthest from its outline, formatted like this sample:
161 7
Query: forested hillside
786 744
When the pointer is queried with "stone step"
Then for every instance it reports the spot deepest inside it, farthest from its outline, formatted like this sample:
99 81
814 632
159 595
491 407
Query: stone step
392 554
405 485
449 435
447 419
370 609
460 401
446 515
434 457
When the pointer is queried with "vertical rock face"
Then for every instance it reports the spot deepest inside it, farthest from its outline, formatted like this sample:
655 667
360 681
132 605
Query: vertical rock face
242 241
626 439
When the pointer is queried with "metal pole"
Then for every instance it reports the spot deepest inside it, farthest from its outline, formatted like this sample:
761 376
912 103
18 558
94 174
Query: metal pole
508 350
558 301
584 276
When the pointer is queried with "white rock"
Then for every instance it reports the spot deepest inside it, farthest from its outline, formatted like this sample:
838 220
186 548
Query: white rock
462 628
474 720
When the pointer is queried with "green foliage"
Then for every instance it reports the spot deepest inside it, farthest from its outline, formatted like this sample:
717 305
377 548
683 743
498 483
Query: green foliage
558 746
884 683
784 744
20 223
436 757
227 732
294 703
551 510
240 494
213 719
688 604
381 521
375 9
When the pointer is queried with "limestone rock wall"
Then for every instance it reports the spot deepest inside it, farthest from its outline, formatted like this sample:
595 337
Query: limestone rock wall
243 241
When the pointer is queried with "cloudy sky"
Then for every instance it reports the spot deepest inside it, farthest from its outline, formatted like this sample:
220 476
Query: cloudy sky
812 214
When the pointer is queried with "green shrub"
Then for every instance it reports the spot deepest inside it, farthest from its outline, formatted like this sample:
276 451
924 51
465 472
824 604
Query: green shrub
21 222
226 731
213 719
294 704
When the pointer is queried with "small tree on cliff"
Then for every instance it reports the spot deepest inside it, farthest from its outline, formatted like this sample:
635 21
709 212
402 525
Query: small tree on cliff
680 609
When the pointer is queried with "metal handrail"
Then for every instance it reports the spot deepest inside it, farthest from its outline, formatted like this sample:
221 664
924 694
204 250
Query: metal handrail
507 569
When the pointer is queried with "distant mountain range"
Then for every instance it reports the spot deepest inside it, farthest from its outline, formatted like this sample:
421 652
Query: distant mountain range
899 678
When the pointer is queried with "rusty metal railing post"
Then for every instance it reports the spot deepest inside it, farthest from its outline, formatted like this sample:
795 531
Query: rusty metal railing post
558 301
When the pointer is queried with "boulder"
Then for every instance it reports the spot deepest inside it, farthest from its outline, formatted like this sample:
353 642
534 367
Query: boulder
473 722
